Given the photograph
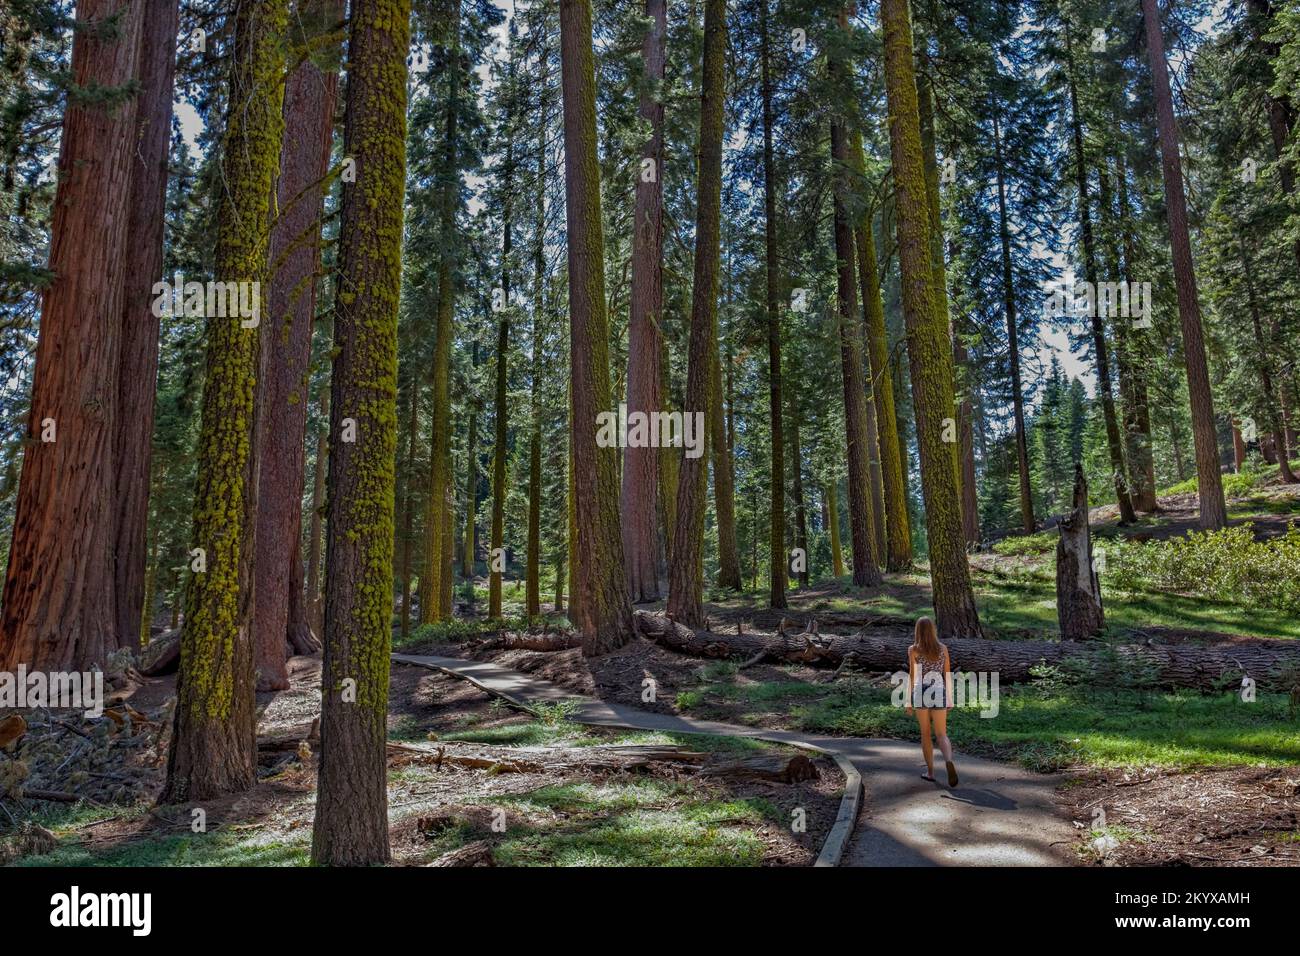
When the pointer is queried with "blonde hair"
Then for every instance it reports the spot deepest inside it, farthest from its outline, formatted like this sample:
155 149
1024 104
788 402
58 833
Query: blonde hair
926 640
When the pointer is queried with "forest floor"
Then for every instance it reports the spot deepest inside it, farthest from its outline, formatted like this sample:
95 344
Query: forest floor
1145 776
1150 776
469 779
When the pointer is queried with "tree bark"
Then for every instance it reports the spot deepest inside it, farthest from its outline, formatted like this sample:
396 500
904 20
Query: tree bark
970 520
796 469
435 602
685 587
59 609
1078 591
1013 339
138 364
898 532
866 567
603 610
351 826
408 504
281 397
644 375
1137 423
778 560
533 570
929 344
724 482
1209 480
1101 354
214 747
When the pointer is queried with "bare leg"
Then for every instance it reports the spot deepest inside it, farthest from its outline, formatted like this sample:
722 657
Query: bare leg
941 733
927 746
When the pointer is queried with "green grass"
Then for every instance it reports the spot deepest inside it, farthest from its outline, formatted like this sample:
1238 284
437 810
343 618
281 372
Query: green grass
1060 727
219 848
1023 604
1255 474
634 823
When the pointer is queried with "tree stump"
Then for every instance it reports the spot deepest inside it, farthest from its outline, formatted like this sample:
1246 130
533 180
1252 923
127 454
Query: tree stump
1078 590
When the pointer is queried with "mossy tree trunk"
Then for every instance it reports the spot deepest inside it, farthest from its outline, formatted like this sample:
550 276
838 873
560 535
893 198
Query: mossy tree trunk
724 481
435 598
898 530
1013 336
533 570
962 383
1209 480
869 286
351 827
796 486
1137 421
778 560
469 533
644 348
214 747
928 342
685 587
604 614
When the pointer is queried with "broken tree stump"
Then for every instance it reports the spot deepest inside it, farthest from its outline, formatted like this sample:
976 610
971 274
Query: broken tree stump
1078 590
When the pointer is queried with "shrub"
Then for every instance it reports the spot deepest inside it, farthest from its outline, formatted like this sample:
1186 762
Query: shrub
1225 565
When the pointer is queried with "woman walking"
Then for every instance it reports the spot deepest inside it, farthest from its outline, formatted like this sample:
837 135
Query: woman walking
930 695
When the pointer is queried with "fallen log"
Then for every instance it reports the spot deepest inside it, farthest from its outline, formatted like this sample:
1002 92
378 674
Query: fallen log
472 854
162 655
774 768
1200 666
528 641
613 759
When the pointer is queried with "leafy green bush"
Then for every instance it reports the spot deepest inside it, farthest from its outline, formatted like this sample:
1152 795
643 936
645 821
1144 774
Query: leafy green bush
1225 565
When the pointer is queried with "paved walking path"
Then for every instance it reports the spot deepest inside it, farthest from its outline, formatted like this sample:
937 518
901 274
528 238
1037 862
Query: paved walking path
998 815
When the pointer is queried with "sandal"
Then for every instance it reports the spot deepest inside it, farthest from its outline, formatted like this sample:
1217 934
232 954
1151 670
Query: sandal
928 776
952 774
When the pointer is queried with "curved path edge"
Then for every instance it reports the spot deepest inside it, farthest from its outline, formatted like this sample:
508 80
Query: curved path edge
524 691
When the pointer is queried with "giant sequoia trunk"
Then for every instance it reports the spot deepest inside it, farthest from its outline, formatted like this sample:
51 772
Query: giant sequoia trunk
138 363
351 827
59 593
603 613
929 345
1209 480
866 567
309 97
884 648
644 375
685 585
214 749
